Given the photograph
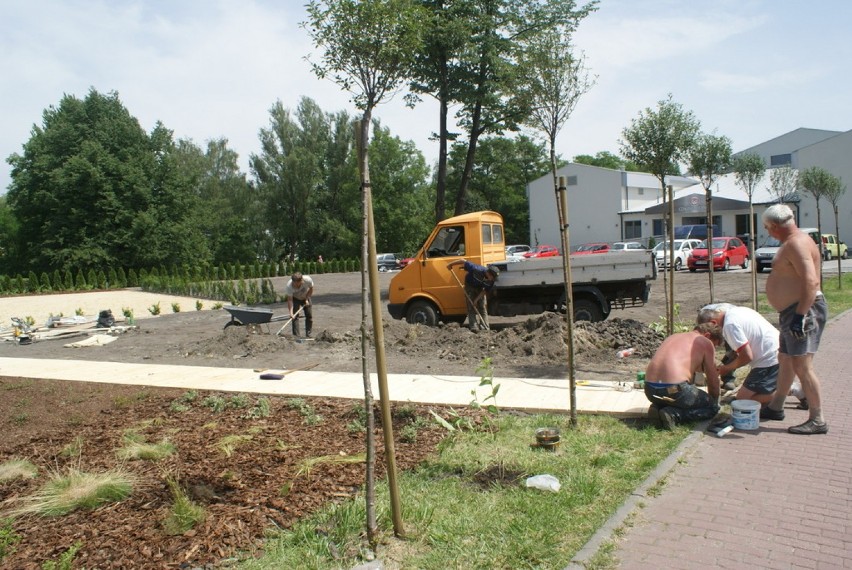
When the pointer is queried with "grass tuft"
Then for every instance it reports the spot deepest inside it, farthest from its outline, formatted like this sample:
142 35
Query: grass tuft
184 513
77 490
17 469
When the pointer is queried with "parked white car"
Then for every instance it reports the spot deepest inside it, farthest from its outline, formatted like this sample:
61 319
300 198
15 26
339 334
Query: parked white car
683 247
516 252
627 246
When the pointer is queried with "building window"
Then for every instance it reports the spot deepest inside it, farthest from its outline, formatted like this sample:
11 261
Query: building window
658 227
781 160
632 229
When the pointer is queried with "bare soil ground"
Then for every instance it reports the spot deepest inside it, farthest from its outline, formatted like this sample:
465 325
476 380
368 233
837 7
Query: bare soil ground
260 483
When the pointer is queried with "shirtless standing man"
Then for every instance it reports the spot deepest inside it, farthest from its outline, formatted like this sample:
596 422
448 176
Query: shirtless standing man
792 288
668 377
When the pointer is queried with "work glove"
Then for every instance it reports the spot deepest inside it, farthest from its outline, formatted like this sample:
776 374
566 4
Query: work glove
797 326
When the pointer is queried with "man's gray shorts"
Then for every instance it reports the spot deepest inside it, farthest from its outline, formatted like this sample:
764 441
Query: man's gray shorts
814 324
762 380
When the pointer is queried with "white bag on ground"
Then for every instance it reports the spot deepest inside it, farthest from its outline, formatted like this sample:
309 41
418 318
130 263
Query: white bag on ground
544 482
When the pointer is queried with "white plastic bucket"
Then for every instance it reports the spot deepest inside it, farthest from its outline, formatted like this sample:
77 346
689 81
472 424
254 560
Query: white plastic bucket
746 414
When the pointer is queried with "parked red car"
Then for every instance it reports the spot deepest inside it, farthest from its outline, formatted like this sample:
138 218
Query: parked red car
727 251
542 251
588 248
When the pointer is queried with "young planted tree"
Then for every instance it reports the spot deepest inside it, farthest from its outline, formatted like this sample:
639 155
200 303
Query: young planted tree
708 159
555 77
783 182
833 192
816 181
367 48
658 140
749 170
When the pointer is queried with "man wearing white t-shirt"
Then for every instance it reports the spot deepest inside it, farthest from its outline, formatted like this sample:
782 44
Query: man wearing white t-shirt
755 341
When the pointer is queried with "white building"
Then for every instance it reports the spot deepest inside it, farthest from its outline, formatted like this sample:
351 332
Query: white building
607 205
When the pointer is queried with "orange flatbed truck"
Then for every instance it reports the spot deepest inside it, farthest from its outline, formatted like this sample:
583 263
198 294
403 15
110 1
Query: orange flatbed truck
426 292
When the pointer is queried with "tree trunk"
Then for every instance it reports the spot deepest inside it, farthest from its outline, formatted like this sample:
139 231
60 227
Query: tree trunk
751 254
710 263
468 162
363 137
441 183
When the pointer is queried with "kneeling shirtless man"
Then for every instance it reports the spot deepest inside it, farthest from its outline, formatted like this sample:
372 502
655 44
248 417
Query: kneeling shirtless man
669 377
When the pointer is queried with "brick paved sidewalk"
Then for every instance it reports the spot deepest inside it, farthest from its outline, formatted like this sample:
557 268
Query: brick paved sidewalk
760 499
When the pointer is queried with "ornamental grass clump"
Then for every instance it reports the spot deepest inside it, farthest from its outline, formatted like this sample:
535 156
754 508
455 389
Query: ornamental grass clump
77 490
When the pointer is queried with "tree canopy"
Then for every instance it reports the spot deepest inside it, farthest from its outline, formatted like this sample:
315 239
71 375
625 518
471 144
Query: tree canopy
92 188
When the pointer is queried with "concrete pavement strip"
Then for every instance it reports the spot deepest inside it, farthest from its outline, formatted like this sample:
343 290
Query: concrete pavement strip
532 394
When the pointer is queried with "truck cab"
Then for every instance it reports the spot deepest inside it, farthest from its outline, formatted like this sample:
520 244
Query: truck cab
425 291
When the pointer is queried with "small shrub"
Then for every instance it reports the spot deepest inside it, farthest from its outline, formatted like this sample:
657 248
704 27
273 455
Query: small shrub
154 309
215 403
408 433
8 538
199 305
66 559
175 307
239 401
260 410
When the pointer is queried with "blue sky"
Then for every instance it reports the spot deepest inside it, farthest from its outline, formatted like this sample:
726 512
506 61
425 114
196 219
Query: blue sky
747 69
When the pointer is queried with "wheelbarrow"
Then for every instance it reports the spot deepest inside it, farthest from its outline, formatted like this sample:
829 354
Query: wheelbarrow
251 316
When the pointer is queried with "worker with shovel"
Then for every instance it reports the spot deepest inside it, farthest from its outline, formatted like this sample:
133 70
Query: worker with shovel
299 290
478 282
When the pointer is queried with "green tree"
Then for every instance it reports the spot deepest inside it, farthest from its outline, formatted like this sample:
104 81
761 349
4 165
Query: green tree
605 159
8 237
833 192
288 170
554 77
709 158
504 168
749 170
658 140
495 97
471 57
402 198
817 182
93 189
232 218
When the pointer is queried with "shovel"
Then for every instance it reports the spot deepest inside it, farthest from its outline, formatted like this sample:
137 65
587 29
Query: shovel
288 321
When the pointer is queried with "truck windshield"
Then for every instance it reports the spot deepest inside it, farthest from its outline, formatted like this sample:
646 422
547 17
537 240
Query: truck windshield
448 242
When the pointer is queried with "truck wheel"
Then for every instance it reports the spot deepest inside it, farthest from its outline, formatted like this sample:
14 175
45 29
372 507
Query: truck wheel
422 313
585 310
845 254
828 255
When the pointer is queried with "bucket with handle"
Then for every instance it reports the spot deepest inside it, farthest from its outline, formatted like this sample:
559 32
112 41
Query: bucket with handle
746 414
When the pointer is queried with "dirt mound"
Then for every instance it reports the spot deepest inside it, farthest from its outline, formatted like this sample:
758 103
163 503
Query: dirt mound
536 346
